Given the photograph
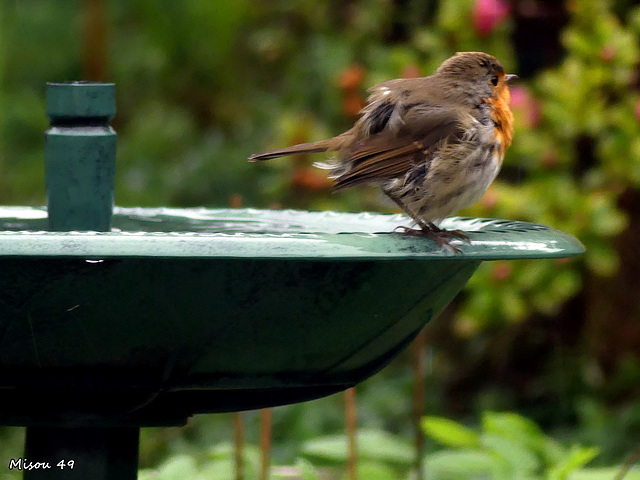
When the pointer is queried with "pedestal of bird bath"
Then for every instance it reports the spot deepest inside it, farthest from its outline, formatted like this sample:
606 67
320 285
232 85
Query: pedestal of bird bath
166 313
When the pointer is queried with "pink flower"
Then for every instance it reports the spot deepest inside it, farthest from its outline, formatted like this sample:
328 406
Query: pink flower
486 15
524 105
501 271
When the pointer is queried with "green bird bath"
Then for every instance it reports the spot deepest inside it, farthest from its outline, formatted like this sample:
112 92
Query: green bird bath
113 319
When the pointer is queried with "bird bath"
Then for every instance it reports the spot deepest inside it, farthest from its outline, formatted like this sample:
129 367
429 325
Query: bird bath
147 316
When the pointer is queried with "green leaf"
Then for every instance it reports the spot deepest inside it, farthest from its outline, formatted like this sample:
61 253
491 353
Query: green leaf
307 471
383 446
226 451
604 473
553 452
514 427
462 463
519 458
371 444
224 469
178 468
449 433
374 471
578 457
147 474
509 424
332 448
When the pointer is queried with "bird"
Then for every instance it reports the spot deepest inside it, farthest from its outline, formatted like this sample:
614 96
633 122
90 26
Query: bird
433 144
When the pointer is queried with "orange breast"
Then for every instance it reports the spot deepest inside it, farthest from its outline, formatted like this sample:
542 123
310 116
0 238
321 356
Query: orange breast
503 117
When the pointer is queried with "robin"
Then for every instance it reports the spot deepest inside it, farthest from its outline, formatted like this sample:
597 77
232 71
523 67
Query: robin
434 144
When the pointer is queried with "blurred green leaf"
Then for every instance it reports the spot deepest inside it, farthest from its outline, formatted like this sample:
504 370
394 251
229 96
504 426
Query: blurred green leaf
512 426
225 452
372 470
371 444
307 471
224 469
449 433
147 474
577 458
178 468
461 464
604 473
514 452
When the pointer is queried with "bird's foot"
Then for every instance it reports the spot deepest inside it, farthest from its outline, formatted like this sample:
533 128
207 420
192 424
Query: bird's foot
440 236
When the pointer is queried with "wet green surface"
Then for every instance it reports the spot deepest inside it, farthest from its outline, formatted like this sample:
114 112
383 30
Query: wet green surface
276 234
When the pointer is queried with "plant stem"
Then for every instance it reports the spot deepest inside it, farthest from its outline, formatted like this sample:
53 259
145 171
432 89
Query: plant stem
265 443
238 444
418 350
351 423
631 461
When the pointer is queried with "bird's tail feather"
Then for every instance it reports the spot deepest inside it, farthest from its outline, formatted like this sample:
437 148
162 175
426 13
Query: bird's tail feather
314 147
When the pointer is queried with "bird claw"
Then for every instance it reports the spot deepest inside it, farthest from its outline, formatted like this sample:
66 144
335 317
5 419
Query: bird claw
458 233
441 237
409 230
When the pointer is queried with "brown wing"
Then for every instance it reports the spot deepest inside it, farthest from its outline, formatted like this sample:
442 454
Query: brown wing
405 135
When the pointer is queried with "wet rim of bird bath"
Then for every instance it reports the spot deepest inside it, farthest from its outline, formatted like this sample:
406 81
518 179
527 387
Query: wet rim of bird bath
291 234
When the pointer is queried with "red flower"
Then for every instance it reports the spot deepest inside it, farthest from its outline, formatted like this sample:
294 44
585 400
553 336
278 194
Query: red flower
488 14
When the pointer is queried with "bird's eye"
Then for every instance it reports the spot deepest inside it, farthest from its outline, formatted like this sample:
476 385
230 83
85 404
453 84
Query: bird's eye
494 80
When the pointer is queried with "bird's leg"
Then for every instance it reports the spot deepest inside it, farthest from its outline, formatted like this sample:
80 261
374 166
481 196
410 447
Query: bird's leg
440 236
424 226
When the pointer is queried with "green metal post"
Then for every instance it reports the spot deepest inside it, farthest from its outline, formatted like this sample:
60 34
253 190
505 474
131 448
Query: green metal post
80 149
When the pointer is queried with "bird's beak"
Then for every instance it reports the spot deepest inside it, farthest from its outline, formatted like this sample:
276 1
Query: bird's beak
510 77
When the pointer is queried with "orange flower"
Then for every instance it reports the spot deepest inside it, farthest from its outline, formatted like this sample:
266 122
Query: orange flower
309 178
411 71
351 78
352 104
